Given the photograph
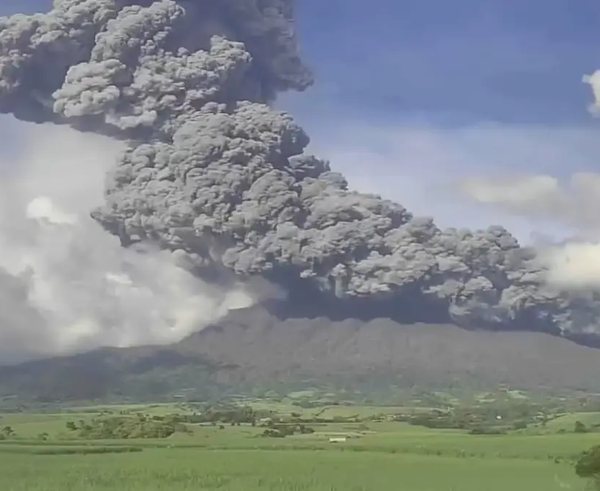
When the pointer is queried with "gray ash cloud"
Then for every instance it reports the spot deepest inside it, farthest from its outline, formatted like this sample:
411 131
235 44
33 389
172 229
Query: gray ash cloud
214 174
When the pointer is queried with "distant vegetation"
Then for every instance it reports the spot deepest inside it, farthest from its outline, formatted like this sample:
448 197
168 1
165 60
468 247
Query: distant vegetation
269 444
124 428
588 466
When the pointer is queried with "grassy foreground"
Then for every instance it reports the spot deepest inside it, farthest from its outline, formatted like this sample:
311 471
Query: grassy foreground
377 456
390 460
246 470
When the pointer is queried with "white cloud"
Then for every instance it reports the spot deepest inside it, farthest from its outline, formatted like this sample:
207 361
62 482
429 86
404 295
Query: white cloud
594 81
574 202
422 166
575 263
66 285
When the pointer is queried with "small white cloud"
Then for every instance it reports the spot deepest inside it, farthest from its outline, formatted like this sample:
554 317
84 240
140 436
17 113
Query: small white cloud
594 81
573 202
423 166
43 209
574 265
515 193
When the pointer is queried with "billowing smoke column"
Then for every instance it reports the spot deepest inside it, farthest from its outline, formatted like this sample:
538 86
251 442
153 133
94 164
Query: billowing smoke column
213 173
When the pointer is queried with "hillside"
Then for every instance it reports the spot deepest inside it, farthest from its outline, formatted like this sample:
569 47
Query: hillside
252 348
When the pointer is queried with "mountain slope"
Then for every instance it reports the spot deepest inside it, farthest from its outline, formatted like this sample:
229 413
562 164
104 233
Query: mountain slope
253 347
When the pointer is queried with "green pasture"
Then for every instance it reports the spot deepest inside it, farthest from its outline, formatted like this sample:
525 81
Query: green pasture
378 456
196 469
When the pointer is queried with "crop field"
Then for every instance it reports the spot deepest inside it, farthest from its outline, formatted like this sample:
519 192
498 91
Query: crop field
176 469
378 456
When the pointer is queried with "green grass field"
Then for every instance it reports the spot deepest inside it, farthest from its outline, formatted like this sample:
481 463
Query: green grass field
377 456
245 470
567 421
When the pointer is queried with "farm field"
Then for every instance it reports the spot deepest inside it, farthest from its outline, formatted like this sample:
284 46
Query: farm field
195 469
375 455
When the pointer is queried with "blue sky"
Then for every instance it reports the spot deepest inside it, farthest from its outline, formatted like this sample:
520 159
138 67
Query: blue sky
412 95
516 61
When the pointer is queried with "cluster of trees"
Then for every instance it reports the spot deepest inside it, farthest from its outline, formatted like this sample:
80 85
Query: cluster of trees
282 430
308 404
588 466
124 427
444 420
580 427
237 415
7 432
484 419
129 426
487 430
227 415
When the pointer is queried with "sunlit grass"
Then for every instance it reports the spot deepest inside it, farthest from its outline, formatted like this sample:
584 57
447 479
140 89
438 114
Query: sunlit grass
291 470
378 456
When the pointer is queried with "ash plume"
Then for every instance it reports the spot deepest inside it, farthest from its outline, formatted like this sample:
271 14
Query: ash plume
213 175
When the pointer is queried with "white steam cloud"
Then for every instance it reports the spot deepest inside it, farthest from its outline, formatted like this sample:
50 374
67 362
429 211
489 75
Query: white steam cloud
66 285
574 203
574 264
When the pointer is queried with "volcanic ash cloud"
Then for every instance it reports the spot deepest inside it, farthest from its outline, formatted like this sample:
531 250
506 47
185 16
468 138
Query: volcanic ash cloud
211 174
